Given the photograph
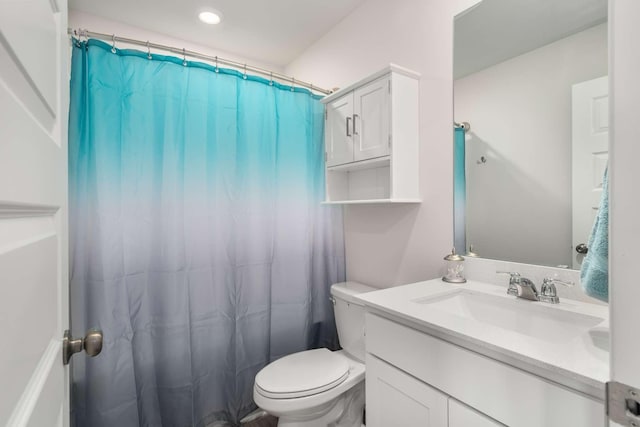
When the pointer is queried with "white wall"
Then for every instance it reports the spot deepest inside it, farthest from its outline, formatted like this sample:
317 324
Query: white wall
519 201
391 245
99 24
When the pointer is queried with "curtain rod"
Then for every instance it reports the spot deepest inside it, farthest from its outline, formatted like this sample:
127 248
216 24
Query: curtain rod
193 54
462 125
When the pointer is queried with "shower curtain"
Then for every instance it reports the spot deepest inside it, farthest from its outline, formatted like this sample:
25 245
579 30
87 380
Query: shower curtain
459 192
198 242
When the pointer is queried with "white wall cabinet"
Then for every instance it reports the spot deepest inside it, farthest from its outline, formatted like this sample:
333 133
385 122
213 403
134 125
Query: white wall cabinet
372 139
415 379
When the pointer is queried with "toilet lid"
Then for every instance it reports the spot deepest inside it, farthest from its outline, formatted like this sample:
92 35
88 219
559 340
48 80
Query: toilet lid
302 374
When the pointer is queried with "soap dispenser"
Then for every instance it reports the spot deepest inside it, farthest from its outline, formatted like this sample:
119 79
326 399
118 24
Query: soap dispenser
455 268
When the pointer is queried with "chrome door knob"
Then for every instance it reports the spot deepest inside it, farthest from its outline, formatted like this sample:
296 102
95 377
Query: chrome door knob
91 344
582 248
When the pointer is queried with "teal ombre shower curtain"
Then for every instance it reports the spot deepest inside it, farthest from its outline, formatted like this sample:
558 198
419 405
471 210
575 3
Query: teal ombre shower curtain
459 192
198 242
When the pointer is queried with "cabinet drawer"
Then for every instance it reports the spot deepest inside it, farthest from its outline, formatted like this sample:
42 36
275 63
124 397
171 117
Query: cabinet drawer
506 394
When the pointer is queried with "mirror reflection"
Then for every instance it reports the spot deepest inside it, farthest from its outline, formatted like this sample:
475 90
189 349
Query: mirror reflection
531 82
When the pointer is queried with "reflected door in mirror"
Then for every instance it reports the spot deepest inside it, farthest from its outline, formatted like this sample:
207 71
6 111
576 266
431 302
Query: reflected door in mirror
590 152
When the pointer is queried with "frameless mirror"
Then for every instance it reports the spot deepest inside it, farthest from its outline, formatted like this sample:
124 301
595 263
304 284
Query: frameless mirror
530 78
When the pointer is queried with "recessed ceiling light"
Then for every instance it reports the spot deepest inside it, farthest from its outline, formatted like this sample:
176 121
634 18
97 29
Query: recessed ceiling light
209 17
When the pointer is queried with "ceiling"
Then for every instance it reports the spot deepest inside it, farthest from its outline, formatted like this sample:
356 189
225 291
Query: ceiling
272 31
497 30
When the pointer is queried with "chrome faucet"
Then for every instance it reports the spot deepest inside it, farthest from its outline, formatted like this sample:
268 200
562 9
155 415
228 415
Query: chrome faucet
521 287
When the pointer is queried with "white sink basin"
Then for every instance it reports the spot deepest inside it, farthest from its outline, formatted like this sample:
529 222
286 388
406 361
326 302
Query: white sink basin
530 318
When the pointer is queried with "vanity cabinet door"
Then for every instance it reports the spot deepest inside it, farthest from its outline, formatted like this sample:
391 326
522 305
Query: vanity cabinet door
371 120
395 398
461 415
339 131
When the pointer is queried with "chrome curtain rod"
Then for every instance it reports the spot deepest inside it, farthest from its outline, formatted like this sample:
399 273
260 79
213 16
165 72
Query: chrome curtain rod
218 60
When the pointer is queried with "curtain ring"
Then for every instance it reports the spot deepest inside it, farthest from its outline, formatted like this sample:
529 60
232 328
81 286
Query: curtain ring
293 82
148 50
113 46
244 75
77 42
184 57
217 69
271 78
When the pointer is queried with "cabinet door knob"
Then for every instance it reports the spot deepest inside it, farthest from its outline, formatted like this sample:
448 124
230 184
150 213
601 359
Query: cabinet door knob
354 124
582 248
348 119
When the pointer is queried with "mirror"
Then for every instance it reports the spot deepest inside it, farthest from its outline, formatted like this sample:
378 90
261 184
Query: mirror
530 80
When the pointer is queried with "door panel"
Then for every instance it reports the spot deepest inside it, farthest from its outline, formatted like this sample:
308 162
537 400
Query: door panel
28 153
590 153
339 138
371 120
461 415
395 398
28 52
33 211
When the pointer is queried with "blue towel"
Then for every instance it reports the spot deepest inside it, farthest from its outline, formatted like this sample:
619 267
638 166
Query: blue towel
594 273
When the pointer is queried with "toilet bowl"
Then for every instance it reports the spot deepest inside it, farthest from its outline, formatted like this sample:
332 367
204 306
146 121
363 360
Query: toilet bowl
317 388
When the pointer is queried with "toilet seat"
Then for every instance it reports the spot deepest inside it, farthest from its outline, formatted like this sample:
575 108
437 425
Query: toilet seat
302 374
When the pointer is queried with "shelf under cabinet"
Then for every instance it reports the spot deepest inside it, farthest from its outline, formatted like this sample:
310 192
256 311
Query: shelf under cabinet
363 164
364 182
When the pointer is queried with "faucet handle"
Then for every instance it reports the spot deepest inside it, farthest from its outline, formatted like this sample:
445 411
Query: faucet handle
558 281
548 292
513 280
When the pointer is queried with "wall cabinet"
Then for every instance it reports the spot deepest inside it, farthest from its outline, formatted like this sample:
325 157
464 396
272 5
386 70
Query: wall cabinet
371 140
426 381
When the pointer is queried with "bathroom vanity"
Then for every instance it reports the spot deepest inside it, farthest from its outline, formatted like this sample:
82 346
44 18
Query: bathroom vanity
470 355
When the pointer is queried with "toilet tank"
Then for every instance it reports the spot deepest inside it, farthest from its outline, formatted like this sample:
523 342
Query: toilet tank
349 314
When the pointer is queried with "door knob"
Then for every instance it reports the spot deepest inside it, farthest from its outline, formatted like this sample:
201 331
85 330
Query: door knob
91 344
582 248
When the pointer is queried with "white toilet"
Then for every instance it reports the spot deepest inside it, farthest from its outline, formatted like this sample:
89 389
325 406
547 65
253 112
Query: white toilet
318 388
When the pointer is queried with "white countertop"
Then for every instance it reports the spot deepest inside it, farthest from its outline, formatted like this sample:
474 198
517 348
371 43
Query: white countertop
581 363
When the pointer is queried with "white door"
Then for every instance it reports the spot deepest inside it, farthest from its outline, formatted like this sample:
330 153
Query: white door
590 153
371 118
624 178
33 212
339 131
398 399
